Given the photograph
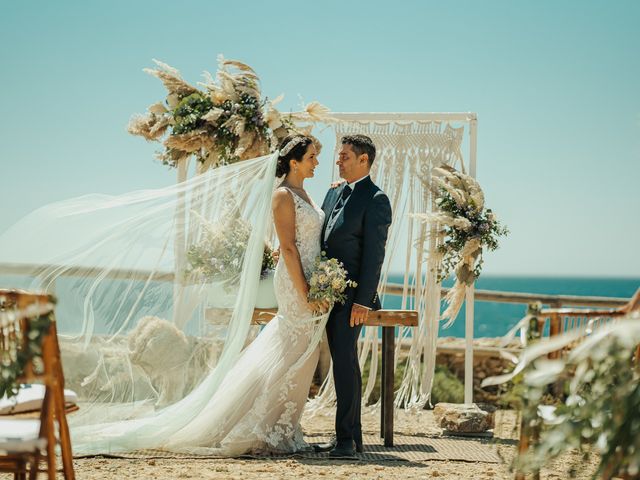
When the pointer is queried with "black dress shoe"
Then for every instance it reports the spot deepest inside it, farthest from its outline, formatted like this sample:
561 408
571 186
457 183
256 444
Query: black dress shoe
343 452
324 447
359 446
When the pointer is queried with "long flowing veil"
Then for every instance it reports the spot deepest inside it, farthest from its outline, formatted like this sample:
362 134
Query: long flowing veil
156 291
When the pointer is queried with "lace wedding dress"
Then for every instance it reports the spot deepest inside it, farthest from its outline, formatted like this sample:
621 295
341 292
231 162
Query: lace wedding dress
116 264
258 405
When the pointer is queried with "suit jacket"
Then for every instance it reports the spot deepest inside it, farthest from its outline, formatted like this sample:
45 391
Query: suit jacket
358 237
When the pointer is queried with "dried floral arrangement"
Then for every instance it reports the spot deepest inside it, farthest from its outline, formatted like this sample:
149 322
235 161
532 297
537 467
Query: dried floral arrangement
225 121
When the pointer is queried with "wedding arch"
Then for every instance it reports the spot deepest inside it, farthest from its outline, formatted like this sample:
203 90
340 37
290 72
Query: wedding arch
410 146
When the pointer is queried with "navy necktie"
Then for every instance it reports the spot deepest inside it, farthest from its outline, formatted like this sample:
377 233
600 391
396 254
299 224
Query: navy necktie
346 192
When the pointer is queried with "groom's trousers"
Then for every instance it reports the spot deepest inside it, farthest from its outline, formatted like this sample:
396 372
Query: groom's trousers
343 344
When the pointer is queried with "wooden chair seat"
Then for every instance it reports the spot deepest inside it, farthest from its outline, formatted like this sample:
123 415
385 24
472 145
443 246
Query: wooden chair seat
30 398
21 447
20 436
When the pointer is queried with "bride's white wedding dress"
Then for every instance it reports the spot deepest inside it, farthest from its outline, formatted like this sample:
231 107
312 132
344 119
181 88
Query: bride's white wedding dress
259 403
115 263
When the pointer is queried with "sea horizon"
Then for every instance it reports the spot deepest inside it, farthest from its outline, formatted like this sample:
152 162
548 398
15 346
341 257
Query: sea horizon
491 319
494 319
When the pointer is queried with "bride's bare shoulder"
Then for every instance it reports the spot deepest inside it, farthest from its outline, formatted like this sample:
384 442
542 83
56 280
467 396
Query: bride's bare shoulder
282 198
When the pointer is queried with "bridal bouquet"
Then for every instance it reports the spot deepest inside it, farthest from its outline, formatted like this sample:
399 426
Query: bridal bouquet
464 227
328 281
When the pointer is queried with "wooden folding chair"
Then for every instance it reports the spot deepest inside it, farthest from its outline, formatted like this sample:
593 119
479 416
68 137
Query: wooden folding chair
20 315
562 320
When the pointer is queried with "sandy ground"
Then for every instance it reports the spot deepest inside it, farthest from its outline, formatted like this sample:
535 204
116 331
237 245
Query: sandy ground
290 468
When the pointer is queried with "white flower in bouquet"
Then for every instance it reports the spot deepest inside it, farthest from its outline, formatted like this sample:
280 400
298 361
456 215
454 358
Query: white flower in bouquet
328 281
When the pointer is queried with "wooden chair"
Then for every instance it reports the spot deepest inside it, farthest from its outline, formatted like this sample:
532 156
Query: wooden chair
19 311
388 320
562 320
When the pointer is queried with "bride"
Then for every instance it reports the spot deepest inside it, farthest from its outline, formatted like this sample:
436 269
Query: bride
258 406
107 256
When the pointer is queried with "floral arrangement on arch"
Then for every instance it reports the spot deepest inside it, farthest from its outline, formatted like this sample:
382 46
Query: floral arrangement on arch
224 122
464 228
219 254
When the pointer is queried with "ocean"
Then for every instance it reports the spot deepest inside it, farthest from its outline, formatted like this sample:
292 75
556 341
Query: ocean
490 319
496 319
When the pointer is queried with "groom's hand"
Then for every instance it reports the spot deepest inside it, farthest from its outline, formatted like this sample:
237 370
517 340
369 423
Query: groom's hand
359 315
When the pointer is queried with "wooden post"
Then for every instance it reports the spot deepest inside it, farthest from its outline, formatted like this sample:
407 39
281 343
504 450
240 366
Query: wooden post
555 329
388 347
59 403
523 445
382 378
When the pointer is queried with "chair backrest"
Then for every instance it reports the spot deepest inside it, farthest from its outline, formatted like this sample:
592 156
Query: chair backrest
27 337
634 303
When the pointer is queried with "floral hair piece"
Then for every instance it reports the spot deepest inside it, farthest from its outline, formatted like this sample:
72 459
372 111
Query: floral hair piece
291 144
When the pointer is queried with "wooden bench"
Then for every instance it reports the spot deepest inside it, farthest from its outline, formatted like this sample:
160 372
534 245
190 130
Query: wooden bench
388 320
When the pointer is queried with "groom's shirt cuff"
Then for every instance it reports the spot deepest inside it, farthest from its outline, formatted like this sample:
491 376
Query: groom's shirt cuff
368 308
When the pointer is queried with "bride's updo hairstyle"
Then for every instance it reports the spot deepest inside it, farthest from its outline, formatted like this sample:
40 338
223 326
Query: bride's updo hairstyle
293 147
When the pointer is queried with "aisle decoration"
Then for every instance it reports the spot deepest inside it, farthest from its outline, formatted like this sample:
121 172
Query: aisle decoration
602 387
13 358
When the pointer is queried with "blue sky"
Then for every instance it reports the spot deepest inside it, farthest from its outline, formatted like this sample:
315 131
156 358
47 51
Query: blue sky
555 86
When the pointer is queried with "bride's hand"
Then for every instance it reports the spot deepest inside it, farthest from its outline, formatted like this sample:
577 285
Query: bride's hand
318 306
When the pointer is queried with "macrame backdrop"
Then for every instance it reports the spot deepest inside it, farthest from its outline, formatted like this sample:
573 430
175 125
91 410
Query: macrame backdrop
406 155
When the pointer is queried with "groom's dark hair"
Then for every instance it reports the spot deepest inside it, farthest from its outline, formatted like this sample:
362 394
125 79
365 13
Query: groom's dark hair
361 144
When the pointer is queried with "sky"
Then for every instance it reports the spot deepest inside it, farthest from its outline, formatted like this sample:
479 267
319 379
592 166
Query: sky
555 86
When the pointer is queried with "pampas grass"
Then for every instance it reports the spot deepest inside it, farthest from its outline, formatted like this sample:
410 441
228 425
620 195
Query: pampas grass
226 122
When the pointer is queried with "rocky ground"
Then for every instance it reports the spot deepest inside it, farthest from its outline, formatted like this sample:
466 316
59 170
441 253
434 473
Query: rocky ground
505 433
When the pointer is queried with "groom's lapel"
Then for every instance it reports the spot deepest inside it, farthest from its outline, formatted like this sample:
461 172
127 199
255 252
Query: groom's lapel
337 193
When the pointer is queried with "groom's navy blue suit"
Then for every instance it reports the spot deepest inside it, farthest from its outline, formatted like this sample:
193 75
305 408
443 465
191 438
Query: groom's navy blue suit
358 240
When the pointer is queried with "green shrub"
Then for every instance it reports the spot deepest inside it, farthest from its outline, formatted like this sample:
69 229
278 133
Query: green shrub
446 386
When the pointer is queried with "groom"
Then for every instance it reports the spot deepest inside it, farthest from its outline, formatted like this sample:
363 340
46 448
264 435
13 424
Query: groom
357 219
